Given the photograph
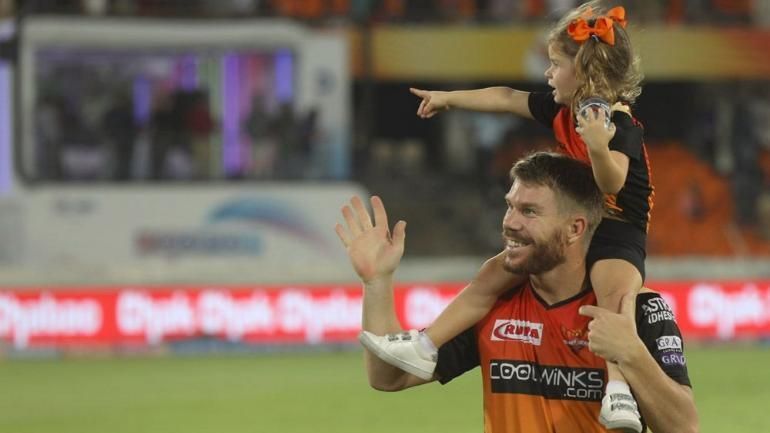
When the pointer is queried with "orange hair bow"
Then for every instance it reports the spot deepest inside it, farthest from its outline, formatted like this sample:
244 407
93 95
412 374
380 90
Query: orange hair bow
580 31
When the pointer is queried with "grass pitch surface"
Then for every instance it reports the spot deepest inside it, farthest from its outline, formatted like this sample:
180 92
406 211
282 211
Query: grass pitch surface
315 392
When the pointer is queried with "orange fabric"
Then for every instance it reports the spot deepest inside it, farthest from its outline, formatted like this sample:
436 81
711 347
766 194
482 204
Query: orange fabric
571 144
618 15
676 11
310 8
538 374
535 8
340 7
580 31
394 8
651 198
467 8
733 7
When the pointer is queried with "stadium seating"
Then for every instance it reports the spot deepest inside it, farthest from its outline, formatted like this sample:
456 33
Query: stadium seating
675 229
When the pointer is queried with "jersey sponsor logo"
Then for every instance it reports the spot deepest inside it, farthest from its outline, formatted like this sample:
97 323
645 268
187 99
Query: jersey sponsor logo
657 310
549 381
576 339
673 359
669 342
518 330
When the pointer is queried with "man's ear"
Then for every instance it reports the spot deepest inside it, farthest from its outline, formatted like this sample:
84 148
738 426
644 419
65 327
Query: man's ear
577 229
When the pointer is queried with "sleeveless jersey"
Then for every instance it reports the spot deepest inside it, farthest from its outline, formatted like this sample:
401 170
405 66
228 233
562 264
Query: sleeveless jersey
634 201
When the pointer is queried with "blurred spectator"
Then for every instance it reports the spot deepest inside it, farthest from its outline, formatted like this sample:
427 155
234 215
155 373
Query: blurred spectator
732 12
746 174
420 11
7 8
500 11
94 7
199 122
728 12
230 8
284 128
164 131
762 13
652 11
763 212
697 11
121 133
308 135
701 129
488 132
692 204
49 129
258 126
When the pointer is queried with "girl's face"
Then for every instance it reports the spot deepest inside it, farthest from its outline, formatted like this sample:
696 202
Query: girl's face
561 76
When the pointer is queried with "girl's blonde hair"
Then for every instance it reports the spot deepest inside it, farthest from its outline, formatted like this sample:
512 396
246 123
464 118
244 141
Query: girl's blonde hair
611 72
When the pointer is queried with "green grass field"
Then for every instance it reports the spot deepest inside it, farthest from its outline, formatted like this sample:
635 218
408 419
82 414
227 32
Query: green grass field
316 392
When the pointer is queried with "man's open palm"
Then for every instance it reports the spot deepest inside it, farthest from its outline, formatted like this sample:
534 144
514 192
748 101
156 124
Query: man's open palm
373 251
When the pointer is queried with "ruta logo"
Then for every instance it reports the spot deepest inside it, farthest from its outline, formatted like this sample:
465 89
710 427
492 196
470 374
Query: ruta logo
518 330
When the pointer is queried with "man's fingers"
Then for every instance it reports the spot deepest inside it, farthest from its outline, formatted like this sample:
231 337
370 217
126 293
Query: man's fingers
380 215
350 219
399 233
342 234
590 311
363 215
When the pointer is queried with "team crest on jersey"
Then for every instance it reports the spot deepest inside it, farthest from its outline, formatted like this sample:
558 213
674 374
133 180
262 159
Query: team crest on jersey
576 339
518 330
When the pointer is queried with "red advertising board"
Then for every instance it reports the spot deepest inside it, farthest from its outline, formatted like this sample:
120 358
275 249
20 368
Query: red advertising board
105 316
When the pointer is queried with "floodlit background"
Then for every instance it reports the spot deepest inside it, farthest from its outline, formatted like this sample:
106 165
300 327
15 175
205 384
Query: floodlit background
171 172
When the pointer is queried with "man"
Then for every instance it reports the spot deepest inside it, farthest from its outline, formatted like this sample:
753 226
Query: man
542 361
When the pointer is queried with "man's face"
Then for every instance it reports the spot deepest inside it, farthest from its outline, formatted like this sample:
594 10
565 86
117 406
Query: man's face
534 231
561 75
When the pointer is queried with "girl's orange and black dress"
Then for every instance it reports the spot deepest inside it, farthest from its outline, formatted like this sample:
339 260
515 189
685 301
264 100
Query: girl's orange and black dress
624 234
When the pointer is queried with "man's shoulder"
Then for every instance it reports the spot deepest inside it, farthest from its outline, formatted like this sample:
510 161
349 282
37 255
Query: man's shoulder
651 307
645 295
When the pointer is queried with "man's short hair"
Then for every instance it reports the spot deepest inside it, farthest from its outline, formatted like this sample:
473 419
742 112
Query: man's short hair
571 180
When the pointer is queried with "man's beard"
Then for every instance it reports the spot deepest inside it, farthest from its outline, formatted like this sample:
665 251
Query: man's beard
544 257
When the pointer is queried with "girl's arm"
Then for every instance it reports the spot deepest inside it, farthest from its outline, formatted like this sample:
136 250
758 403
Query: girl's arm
610 167
491 99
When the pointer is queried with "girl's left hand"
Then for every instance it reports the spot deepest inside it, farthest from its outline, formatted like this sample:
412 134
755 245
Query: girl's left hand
592 130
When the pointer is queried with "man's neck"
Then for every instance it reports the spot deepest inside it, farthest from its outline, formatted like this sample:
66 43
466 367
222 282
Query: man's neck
561 282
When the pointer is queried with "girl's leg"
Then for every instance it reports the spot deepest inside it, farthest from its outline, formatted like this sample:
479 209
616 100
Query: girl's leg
416 352
611 280
474 302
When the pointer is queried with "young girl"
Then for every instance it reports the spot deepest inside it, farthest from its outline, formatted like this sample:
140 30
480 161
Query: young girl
590 57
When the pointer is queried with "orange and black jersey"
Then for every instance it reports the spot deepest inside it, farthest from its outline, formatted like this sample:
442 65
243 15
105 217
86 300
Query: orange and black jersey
634 201
538 374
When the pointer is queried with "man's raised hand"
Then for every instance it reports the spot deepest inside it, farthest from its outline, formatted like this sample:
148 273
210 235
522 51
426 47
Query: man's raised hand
373 251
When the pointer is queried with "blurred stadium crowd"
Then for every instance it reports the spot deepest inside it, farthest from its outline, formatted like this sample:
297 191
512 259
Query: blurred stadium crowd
719 12
709 140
